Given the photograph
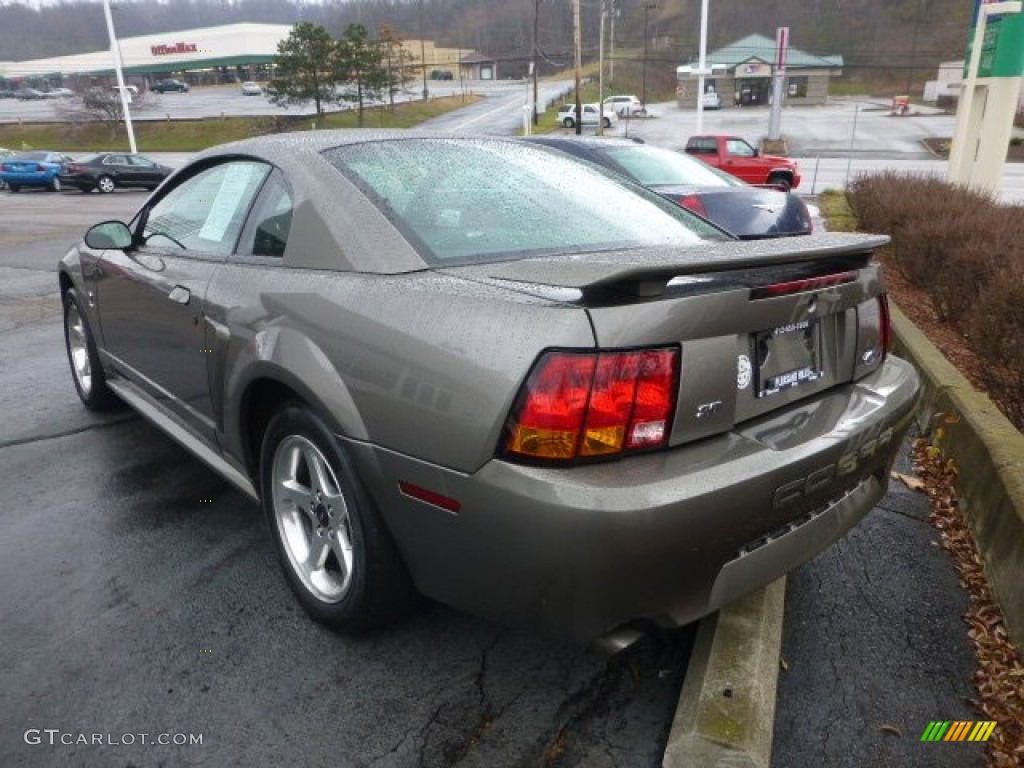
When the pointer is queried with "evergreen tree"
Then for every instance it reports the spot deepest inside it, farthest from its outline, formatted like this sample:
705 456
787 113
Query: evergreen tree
304 68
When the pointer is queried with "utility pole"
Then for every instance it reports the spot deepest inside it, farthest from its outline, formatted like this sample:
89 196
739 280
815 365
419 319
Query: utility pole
702 64
643 74
611 53
423 55
600 76
533 62
578 61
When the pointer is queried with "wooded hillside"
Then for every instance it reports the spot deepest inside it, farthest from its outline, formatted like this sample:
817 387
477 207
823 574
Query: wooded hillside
875 37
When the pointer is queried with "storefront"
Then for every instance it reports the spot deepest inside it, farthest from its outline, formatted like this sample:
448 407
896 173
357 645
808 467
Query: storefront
742 75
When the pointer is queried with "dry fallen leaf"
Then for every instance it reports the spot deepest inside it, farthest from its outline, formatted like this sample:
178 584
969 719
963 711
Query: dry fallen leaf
891 729
913 483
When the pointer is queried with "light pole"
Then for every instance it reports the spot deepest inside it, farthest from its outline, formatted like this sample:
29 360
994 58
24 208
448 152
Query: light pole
643 71
702 64
119 71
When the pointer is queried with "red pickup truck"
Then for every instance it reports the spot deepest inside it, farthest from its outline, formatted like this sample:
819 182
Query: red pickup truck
734 155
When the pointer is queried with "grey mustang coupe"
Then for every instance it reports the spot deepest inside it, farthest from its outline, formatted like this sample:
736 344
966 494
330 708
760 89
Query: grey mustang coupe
482 371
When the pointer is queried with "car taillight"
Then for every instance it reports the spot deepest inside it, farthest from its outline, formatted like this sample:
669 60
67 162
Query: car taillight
41 169
885 324
587 405
693 203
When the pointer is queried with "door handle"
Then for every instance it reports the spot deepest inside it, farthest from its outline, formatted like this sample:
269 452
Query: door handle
180 295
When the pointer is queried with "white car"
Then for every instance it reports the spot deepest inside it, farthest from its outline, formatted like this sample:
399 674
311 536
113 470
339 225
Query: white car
249 88
591 115
626 105
712 100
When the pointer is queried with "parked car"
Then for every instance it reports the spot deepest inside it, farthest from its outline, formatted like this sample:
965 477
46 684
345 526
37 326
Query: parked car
673 419
592 115
626 105
59 93
107 171
29 94
745 211
249 88
32 169
8 93
711 100
735 156
170 85
4 154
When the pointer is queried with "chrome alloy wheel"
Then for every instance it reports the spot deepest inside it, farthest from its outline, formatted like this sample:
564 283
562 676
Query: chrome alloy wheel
78 346
312 518
105 184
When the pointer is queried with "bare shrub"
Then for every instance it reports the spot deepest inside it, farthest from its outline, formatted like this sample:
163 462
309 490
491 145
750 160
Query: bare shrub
966 252
943 236
997 334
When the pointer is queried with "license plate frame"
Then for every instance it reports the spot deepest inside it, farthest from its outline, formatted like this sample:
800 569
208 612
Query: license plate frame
787 356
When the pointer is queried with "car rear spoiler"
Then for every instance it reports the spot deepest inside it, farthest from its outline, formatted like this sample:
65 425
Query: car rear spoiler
647 271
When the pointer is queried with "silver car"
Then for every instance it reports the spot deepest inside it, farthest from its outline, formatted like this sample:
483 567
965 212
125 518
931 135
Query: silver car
441 367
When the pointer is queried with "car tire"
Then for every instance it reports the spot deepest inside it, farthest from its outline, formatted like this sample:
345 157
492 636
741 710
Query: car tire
86 370
105 184
780 181
336 552
607 123
54 184
14 188
569 122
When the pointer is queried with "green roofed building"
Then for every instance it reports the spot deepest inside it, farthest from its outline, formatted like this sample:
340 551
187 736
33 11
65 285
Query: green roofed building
741 74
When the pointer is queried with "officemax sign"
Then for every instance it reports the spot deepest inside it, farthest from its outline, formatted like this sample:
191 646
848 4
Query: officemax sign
164 50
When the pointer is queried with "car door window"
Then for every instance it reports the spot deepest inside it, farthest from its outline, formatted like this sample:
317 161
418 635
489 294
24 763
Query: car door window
266 233
739 148
140 162
205 212
114 160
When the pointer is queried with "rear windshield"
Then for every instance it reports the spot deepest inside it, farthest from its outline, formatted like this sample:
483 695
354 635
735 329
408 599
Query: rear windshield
656 167
462 201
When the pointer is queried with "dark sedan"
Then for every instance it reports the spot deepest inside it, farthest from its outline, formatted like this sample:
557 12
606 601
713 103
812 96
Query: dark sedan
477 368
746 211
170 85
109 170
38 168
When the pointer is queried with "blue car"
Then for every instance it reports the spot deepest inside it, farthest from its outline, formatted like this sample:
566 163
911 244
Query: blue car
33 169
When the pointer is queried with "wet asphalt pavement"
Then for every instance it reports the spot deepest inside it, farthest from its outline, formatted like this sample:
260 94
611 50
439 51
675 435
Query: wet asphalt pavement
141 596
874 647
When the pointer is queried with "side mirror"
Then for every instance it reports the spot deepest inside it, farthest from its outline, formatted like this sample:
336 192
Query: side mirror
110 235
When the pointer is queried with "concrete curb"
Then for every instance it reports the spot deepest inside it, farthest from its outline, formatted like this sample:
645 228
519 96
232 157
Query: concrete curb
726 710
989 454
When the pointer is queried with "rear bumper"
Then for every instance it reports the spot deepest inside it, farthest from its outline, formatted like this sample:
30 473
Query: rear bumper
667 537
